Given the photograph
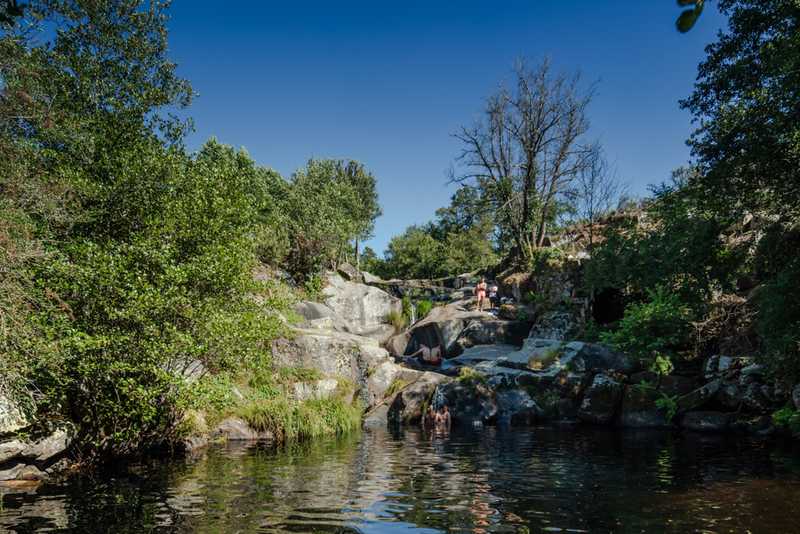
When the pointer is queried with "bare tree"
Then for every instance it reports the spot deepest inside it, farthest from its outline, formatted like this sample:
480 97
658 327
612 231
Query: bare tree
597 190
525 152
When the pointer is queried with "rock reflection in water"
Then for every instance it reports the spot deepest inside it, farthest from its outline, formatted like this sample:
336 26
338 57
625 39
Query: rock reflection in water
488 481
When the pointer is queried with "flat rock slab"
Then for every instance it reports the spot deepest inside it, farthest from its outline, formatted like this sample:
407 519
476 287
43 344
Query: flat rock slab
480 353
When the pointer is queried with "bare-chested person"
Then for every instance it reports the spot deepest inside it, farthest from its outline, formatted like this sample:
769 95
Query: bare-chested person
427 355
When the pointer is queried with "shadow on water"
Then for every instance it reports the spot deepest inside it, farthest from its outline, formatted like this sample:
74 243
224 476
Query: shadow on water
491 481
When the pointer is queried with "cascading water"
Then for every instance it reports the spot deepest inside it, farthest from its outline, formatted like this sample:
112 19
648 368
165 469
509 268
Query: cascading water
438 400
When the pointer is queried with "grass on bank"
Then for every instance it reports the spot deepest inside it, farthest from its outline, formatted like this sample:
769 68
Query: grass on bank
261 396
288 420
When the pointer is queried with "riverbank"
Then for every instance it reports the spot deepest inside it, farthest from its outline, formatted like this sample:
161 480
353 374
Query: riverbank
338 364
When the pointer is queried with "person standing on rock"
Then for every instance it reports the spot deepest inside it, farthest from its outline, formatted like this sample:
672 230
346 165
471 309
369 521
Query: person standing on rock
480 293
493 300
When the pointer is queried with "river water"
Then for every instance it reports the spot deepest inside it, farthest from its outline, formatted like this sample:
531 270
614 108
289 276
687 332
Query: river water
495 480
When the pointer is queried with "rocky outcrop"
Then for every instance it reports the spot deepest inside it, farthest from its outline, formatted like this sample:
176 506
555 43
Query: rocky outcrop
12 417
601 400
443 326
235 429
35 460
554 325
360 308
49 446
334 354
470 403
516 407
639 408
490 331
408 405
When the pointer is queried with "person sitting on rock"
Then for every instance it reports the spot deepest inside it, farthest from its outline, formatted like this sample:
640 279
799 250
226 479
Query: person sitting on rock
427 355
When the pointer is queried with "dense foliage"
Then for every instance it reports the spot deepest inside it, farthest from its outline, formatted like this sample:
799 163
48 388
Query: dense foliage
126 263
731 223
460 240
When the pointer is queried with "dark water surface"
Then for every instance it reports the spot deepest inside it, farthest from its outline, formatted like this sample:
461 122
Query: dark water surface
541 479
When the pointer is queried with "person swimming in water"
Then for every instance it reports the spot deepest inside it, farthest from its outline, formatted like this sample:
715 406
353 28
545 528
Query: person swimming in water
442 420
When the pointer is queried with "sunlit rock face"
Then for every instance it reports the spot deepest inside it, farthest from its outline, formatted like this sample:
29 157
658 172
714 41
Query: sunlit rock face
12 417
361 308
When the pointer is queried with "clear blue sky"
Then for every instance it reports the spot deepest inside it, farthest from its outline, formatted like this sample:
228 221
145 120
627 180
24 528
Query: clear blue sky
387 83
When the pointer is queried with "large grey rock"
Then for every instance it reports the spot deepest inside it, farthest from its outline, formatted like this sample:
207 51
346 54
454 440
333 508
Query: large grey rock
536 353
553 356
796 397
22 472
378 418
360 307
12 417
309 310
639 408
554 325
707 421
601 400
408 404
350 273
49 446
396 345
469 402
381 333
11 449
516 407
235 429
489 331
580 357
481 353
442 327
334 354
315 390
370 278
386 375
699 397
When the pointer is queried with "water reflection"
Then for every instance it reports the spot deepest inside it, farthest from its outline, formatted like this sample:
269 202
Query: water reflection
489 481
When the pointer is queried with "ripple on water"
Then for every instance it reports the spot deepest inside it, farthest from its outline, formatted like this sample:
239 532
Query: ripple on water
542 479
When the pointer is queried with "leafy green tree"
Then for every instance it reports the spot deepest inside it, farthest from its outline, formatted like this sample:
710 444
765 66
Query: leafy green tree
329 204
746 103
672 244
747 147
688 17
415 254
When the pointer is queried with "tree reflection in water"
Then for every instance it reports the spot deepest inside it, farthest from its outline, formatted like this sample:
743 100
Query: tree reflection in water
492 480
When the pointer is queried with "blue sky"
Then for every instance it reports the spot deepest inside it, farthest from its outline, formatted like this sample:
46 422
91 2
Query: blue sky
387 83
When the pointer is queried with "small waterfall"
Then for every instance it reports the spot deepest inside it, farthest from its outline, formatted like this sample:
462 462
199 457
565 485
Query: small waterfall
413 313
438 400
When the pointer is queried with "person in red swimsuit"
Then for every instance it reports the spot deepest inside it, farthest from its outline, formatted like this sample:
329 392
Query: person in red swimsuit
480 293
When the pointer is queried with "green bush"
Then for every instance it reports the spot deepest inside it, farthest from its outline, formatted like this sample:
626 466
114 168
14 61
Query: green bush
652 330
787 417
424 307
397 319
287 420
471 377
